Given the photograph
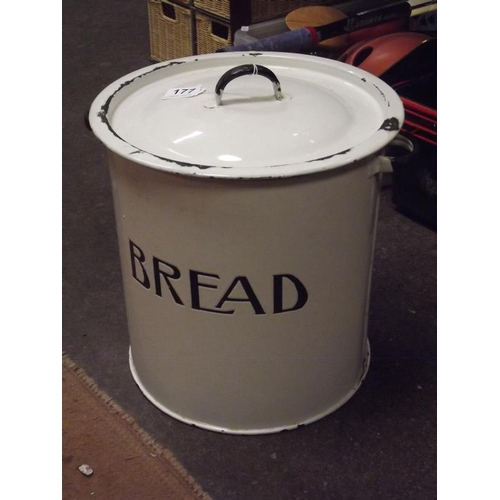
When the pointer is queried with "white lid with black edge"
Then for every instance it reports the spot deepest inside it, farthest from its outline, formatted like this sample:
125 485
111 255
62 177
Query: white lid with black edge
247 115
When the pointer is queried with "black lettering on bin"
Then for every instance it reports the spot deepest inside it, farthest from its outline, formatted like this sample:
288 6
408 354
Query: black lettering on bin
250 295
195 291
302 294
137 256
173 273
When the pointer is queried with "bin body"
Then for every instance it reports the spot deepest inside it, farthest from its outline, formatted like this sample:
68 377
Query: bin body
247 300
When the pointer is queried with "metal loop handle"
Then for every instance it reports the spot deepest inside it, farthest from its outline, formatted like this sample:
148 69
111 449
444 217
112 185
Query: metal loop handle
247 69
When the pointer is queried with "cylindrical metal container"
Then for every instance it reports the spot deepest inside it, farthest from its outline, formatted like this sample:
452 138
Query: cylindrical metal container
246 218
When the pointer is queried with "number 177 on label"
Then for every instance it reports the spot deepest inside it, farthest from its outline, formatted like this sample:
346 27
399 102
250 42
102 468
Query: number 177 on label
180 92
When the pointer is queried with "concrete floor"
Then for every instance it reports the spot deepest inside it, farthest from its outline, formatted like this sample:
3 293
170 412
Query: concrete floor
380 445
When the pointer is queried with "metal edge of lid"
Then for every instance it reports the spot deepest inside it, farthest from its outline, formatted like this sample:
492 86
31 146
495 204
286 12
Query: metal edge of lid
389 128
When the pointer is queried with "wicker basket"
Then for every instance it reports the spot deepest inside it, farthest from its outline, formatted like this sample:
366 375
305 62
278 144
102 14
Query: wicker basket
218 7
170 30
261 10
211 34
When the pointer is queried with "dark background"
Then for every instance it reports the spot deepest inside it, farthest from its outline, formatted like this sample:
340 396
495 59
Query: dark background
380 445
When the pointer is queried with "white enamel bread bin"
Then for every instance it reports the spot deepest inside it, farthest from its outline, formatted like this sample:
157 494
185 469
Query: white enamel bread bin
246 191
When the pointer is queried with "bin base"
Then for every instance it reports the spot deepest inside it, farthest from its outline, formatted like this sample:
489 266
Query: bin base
209 427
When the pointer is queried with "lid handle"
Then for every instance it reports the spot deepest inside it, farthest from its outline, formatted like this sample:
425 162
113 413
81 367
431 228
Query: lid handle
247 69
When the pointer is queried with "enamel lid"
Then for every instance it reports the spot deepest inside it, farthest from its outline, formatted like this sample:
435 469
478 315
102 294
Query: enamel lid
247 115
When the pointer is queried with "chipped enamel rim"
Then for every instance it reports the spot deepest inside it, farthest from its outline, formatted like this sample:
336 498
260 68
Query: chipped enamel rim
391 106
